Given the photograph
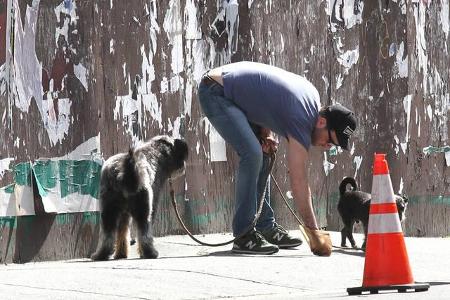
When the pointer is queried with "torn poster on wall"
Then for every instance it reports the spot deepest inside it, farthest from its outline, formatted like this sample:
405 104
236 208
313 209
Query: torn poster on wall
64 184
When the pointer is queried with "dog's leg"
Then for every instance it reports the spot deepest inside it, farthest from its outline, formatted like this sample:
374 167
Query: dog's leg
344 237
140 214
350 234
365 225
109 216
122 237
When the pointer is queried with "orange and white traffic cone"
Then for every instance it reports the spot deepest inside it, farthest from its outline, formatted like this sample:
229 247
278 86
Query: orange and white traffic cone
386 263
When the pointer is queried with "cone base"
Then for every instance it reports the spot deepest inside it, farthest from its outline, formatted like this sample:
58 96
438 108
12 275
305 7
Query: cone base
401 288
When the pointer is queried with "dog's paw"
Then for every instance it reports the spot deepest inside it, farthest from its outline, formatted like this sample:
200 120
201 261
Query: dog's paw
99 256
149 253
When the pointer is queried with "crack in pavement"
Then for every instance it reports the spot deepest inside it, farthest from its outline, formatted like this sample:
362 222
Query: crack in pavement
69 290
211 274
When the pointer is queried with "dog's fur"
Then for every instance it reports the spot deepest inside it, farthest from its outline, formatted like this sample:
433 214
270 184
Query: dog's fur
354 206
130 184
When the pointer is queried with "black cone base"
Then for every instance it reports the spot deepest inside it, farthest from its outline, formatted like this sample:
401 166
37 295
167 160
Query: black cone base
401 288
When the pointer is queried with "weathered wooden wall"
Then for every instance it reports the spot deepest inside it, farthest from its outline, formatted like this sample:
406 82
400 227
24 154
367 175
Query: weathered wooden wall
82 80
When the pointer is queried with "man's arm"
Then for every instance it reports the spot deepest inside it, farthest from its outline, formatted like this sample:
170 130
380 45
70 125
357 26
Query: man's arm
298 159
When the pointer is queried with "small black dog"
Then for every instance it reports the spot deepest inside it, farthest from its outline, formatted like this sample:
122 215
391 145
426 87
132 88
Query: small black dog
354 206
130 184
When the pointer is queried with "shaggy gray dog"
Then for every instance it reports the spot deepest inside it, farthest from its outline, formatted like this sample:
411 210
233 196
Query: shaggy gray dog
130 185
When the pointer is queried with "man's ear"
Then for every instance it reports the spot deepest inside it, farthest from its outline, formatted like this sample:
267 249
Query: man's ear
321 122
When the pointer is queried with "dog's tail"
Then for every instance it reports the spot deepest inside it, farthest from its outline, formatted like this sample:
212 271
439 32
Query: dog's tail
345 181
130 178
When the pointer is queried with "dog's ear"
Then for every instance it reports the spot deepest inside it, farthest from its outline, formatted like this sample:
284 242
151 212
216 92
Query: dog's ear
181 149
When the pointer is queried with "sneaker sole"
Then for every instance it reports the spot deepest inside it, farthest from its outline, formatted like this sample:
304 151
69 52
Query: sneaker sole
289 245
239 251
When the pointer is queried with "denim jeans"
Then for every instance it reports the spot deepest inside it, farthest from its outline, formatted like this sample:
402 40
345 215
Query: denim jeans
253 172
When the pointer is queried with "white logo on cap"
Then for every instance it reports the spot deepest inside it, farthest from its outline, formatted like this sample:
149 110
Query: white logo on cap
348 131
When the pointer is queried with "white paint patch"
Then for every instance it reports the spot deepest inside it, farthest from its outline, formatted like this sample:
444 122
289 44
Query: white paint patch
397 142
339 80
4 165
421 44
327 166
88 150
232 19
400 189
196 60
344 11
3 79
445 17
174 29
7 203
128 110
357 160
348 59
57 125
27 68
164 86
447 158
429 112
407 107
111 46
81 73
151 104
327 83
192 28
148 72
65 8
188 98
175 128
401 63
217 144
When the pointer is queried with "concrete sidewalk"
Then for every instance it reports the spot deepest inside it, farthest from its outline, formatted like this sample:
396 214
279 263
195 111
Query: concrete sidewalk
188 271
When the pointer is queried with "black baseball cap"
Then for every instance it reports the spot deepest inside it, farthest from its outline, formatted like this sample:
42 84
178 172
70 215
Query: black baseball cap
342 121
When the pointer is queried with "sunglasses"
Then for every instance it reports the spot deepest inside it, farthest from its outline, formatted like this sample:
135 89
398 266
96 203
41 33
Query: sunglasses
330 139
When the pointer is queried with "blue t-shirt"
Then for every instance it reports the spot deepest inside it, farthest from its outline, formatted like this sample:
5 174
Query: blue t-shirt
273 98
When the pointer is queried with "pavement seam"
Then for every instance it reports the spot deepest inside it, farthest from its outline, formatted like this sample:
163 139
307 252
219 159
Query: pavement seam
213 275
70 290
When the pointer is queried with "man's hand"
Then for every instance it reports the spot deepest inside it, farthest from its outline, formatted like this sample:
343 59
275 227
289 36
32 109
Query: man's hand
269 142
319 241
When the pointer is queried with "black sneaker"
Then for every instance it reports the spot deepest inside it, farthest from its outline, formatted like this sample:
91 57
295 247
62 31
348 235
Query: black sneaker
280 237
253 243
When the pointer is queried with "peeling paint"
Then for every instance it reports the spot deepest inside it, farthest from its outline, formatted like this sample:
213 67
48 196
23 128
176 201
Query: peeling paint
174 29
445 9
81 73
357 160
4 165
407 107
327 166
401 63
217 145
66 7
347 12
348 59
421 44
193 30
